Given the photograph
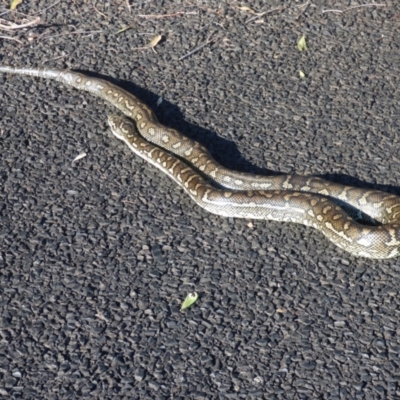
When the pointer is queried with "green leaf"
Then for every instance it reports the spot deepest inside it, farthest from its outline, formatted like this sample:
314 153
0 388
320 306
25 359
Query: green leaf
302 74
301 44
14 4
190 299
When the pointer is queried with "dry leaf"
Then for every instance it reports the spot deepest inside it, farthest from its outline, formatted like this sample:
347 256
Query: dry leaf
245 8
79 156
14 4
123 29
153 42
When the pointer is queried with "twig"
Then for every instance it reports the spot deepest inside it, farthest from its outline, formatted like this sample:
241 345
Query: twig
144 33
10 38
334 11
128 6
158 16
140 3
204 27
13 26
104 15
209 40
258 15
354 7
55 58
264 13
136 33
303 9
364 5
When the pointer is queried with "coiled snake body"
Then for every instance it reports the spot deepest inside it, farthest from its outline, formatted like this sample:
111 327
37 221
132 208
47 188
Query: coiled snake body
309 201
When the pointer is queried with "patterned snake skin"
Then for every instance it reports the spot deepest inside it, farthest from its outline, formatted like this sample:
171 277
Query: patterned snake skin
326 206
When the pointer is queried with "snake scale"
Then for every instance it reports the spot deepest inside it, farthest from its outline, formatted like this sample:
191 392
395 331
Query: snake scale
310 201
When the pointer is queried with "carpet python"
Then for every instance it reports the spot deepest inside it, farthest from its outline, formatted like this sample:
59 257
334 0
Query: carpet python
332 208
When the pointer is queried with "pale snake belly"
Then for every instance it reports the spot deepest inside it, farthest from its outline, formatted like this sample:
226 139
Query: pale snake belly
309 201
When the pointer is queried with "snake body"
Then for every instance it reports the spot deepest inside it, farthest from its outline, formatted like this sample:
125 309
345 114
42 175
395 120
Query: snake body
309 201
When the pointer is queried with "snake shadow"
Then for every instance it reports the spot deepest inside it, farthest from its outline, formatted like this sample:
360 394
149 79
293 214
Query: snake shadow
224 151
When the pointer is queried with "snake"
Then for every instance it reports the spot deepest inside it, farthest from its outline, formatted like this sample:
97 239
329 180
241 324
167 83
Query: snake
338 211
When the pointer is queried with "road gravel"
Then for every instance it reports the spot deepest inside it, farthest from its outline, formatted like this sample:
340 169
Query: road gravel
97 255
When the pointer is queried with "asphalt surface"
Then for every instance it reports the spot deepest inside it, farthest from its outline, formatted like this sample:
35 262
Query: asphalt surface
97 255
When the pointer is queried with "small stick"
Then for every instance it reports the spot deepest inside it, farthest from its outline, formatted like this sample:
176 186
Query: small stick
128 6
13 26
138 4
264 13
204 27
10 38
334 11
303 9
354 7
55 58
104 15
158 16
209 40
364 5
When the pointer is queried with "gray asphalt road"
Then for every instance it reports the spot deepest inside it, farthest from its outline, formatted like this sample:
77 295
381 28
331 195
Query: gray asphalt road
97 255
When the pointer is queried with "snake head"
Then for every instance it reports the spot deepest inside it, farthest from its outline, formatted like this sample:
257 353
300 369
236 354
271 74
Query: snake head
121 127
